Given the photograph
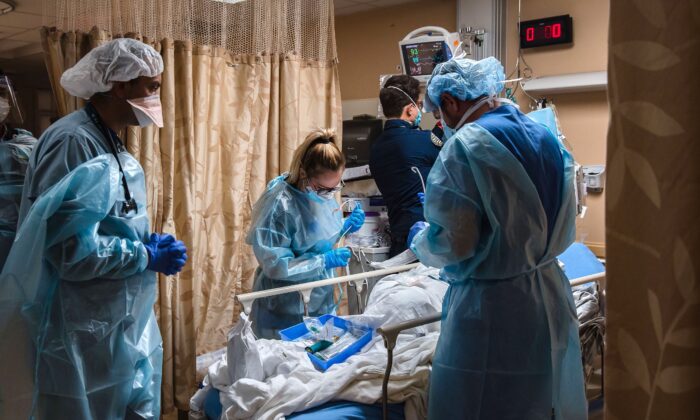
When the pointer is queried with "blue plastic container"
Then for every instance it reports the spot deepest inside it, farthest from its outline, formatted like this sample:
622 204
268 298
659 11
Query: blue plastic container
300 330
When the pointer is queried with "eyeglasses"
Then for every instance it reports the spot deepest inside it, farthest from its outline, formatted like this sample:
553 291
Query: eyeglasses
326 190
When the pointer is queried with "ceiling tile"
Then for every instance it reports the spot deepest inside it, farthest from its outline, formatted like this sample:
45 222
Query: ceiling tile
340 4
9 44
6 32
29 6
346 10
31 35
385 3
353 9
20 20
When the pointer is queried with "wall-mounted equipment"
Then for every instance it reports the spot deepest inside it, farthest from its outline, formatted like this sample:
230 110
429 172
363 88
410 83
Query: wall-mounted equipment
546 31
473 42
424 48
482 25
567 83
358 135
594 177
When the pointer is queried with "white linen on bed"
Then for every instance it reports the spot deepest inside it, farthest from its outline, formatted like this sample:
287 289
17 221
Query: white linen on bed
292 384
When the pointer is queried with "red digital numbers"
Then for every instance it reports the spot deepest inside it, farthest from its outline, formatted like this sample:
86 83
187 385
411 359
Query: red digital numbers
550 32
530 34
556 30
546 31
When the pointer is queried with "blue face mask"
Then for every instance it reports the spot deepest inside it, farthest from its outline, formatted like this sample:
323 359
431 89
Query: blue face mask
416 122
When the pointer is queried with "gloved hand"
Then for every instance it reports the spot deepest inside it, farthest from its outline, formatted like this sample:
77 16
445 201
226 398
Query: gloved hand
165 254
337 258
415 229
421 197
355 221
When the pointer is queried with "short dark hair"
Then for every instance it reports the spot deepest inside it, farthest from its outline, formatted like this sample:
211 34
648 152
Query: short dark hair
392 100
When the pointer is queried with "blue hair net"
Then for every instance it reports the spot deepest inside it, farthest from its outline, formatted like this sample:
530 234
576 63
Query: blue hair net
465 80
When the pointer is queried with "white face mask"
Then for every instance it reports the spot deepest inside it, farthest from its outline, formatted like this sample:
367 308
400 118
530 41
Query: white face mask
323 194
148 110
4 109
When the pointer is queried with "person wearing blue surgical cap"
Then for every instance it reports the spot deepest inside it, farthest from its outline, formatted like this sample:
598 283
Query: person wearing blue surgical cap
499 208
80 338
296 224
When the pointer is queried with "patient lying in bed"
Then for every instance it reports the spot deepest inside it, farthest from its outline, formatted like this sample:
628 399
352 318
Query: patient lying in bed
270 379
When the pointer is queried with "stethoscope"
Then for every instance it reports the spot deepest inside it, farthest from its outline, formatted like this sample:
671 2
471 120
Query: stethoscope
129 203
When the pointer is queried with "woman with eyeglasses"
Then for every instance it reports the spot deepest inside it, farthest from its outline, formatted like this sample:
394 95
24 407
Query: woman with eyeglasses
296 225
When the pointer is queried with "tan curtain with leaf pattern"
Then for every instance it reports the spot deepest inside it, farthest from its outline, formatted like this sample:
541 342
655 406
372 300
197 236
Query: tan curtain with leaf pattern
652 365
232 122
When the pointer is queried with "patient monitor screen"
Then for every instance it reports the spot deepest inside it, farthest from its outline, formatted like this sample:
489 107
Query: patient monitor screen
421 58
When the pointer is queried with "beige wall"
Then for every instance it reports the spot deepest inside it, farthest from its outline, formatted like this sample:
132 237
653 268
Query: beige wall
584 116
368 42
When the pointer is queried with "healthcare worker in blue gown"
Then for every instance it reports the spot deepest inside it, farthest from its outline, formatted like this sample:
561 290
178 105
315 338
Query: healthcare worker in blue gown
297 223
499 208
80 339
16 146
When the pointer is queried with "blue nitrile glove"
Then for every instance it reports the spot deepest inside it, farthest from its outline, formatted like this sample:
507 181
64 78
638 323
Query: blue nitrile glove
355 221
415 229
178 253
165 254
337 258
421 197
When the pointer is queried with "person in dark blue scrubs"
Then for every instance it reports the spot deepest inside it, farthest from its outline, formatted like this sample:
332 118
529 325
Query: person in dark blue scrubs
402 146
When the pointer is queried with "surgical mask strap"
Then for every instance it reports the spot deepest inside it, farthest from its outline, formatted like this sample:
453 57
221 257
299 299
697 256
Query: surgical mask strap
472 109
406 94
507 101
491 100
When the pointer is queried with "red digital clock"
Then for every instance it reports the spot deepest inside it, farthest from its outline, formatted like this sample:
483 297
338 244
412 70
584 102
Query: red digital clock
547 31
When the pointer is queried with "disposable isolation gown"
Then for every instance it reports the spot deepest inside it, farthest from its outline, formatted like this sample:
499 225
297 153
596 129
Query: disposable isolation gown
76 283
14 157
290 232
509 346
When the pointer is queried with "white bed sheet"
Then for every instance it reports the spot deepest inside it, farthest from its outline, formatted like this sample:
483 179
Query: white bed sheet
292 384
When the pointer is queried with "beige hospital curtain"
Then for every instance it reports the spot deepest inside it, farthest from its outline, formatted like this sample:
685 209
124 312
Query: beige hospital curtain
234 113
652 364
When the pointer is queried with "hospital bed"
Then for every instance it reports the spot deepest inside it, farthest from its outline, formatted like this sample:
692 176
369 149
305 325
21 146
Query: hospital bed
578 263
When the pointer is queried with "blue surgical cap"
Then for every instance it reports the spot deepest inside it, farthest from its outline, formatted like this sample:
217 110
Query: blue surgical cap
465 80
